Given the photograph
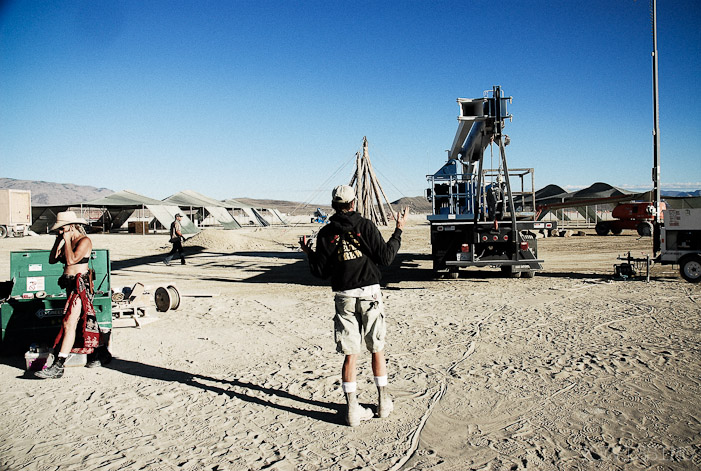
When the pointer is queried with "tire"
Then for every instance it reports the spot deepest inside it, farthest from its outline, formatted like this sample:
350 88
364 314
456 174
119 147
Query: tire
644 228
454 275
690 268
601 228
528 274
3 232
508 271
616 230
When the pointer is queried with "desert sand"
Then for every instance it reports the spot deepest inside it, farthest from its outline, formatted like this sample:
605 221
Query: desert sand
569 370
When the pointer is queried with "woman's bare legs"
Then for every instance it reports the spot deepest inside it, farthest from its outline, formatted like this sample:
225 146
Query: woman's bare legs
70 324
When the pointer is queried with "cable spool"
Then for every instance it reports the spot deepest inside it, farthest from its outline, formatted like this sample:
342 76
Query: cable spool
117 297
167 298
40 294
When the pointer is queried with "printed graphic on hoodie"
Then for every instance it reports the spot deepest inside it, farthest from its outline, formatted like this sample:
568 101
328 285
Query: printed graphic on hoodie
349 248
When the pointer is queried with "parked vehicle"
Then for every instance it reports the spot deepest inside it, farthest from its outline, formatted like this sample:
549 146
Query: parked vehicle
15 212
680 242
320 216
638 216
478 219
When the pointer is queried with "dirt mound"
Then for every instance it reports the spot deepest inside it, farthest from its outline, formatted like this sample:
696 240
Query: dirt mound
416 204
224 240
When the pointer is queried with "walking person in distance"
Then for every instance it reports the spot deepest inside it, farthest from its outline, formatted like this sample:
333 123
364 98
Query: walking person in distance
176 238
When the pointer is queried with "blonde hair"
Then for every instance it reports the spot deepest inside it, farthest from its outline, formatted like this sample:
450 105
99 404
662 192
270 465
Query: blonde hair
80 228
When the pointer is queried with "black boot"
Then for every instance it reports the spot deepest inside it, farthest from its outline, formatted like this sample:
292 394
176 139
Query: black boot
99 357
104 355
55 371
93 360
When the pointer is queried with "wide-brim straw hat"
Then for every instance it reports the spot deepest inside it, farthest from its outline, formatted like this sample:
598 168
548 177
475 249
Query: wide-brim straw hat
67 217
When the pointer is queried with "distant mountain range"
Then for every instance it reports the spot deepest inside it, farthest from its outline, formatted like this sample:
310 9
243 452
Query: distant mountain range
681 194
56 194
416 205
48 193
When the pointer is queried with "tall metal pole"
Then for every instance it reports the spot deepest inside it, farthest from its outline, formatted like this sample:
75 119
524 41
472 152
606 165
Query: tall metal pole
656 131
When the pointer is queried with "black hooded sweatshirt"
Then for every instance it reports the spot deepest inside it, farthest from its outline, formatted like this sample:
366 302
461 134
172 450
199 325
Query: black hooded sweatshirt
349 250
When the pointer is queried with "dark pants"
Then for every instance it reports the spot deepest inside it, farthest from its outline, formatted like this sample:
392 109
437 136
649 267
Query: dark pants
177 247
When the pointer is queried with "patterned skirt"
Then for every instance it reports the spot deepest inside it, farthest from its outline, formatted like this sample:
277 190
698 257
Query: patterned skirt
87 335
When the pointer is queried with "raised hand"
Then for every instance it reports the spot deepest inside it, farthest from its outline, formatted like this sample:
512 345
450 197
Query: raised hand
401 217
305 245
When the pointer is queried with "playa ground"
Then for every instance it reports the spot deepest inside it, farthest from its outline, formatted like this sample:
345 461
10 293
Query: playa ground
568 370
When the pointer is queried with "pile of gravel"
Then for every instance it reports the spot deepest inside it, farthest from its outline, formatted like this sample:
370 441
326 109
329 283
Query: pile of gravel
223 240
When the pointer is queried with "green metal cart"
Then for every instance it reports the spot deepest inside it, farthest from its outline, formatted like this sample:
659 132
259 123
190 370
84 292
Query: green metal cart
34 311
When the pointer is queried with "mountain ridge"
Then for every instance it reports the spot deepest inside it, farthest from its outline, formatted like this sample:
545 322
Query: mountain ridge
56 194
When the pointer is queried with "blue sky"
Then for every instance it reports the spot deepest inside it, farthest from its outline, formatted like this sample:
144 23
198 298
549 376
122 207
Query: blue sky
271 99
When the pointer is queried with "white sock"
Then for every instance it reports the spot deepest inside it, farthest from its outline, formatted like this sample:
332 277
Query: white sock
381 381
63 355
349 387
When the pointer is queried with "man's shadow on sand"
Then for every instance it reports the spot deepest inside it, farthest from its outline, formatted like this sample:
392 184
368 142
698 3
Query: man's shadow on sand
224 387
254 269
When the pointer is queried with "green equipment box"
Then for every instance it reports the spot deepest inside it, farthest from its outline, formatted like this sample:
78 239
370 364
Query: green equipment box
30 319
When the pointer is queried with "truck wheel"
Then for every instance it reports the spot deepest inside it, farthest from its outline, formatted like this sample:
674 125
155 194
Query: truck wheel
3 232
454 275
601 228
644 229
509 272
690 268
528 274
616 230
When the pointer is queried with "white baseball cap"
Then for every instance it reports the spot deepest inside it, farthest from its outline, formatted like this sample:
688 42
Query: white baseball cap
343 194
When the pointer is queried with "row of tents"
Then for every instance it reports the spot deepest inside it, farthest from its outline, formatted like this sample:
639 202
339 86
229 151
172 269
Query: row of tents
599 195
112 212
603 193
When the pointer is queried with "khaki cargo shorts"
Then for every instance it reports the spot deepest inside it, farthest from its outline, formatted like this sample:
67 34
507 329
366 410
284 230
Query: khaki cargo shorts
359 319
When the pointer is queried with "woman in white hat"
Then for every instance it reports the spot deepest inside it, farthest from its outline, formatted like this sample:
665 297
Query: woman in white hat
73 248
